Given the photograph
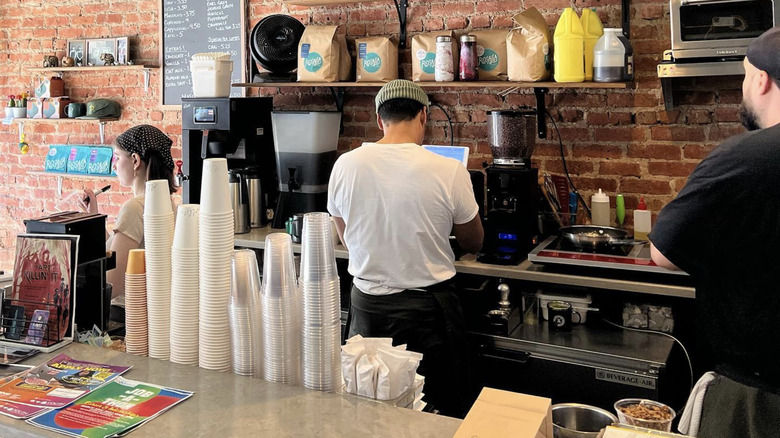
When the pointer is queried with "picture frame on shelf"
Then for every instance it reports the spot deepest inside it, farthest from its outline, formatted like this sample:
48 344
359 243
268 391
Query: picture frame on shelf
122 51
77 50
97 47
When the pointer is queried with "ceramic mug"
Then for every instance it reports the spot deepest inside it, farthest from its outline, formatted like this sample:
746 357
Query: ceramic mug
560 315
74 109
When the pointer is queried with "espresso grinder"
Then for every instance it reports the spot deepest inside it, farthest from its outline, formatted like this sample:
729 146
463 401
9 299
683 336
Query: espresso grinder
511 228
236 128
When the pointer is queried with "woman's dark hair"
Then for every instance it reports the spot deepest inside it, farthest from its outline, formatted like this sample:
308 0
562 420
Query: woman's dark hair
156 169
399 110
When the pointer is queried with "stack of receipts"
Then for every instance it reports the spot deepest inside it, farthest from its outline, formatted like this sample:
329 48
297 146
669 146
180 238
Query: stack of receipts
373 367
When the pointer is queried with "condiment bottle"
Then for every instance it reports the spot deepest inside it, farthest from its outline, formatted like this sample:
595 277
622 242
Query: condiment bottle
620 210
444 66
642 220
468 58
599 206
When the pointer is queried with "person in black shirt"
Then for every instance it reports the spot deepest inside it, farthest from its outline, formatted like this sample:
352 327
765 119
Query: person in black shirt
724 230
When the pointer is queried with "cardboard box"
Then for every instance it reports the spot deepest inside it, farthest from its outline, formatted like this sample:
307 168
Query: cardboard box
35 108
499 414
50 87
54 107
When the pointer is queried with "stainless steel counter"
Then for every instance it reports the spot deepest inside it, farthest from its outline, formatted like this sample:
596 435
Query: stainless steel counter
524 271
226 405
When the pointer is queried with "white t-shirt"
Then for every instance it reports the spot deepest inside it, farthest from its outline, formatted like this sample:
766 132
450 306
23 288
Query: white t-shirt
130 222
399 203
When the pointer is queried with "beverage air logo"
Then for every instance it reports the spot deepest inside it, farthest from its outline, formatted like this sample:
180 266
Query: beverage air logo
488 58
372 62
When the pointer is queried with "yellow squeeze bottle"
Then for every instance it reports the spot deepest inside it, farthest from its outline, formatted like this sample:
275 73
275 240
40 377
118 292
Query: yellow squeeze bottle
569 48
593 30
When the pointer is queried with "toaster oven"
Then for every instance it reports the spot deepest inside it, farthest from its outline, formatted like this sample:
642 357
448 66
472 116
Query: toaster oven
719 29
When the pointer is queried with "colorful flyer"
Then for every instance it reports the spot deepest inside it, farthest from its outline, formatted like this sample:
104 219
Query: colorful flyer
111 410
20 411
58 382
17 410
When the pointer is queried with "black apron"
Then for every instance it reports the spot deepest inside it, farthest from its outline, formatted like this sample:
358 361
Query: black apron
429 321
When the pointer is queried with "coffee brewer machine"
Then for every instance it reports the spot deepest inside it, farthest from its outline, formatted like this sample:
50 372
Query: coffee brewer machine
512 189
238 129
306 149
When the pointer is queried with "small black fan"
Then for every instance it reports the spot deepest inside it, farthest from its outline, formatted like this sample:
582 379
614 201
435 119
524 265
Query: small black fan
274 45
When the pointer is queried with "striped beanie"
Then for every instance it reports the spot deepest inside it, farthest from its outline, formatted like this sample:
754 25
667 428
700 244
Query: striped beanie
401 89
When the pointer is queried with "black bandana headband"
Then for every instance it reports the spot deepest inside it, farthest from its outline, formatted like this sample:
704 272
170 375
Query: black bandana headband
142 138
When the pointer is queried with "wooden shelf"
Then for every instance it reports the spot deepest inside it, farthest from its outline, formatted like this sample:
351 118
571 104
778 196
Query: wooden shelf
104 119
69 175
100 122
474 84
146 69
89 68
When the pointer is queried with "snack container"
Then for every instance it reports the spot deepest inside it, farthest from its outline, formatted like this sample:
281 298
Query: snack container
645 413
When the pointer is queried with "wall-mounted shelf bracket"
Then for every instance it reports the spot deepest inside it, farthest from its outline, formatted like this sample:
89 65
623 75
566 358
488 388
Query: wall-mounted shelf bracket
338 96
102 132
147 74
541 111
401 9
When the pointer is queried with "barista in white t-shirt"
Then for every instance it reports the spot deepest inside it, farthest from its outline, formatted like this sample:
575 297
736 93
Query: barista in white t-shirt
395 205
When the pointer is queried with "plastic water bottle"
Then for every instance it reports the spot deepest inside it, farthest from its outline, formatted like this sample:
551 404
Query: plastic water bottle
593 30
609 57
569 50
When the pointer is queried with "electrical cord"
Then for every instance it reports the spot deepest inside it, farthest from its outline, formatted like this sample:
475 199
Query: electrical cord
449 120
565 168
685 351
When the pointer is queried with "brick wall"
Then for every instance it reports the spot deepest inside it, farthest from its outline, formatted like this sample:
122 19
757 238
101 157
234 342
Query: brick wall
618 140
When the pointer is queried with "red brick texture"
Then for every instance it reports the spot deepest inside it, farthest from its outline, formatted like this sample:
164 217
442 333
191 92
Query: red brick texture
619 140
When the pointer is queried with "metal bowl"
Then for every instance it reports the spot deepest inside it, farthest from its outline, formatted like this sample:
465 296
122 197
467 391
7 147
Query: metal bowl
575 420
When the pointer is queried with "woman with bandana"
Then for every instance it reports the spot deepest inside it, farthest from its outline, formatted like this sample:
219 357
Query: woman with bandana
141 154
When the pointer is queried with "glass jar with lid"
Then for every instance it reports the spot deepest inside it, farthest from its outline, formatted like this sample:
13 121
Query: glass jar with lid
468 58
444 67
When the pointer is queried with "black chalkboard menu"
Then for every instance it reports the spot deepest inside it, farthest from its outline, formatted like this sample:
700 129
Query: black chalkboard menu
197 26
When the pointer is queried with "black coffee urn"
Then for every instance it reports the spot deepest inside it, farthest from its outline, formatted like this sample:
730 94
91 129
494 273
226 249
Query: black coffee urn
236 128
510 223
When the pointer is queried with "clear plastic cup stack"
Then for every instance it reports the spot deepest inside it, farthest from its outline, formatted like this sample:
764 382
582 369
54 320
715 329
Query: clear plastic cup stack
280 311
216 241
158 238
185 286
319 285
244 313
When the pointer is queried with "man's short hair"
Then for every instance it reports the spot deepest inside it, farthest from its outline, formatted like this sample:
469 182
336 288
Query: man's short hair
399 110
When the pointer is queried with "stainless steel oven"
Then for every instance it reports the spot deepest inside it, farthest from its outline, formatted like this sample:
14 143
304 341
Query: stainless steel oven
719 28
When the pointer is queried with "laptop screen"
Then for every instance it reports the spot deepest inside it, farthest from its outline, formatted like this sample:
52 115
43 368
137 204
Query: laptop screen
460 153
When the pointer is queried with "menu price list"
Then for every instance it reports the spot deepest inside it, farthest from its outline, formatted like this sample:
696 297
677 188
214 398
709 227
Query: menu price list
192 26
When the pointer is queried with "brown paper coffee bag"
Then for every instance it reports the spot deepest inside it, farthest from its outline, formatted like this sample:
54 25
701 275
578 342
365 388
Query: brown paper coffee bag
491 54
345 60
528 48
377 59
424 54
319 54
